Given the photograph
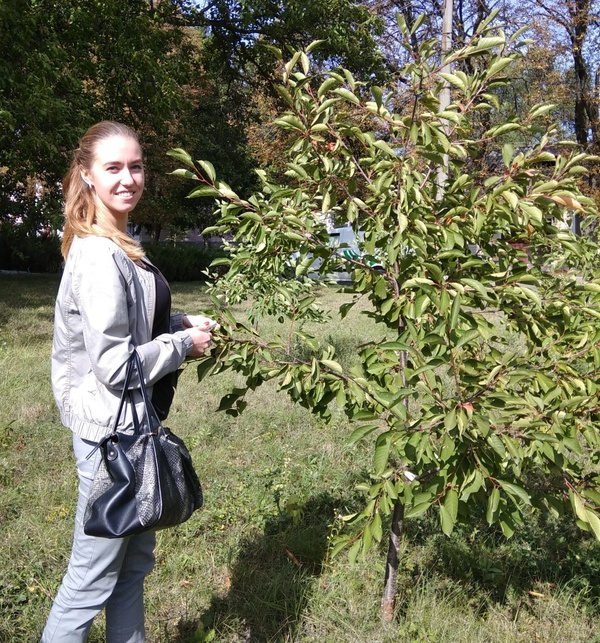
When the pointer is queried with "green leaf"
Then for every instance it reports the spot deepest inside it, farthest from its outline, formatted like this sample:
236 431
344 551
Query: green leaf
578 506
453 117
418 509
539 110
492 506
454 80
446 521
393 346
339 543
289 121
448 448
209 170
508 151
226 191
573 444
502 129
489 42
186 174
362 432
283 92
450 420
515 491
353 552
377 528
347 94
220 261
205 367
305 62
382 145
594 522
377 95
511 198
181 155
314 44
507 527
334 366
455 311
495 441
449 512
476 285
498 65
252 216
382 453
467 338
203 190
435 272
327 85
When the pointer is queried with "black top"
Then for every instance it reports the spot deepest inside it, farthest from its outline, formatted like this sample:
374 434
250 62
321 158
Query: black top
163 390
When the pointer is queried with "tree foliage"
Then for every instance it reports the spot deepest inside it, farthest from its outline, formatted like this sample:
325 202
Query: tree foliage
241 34
70 64
485 391
199 76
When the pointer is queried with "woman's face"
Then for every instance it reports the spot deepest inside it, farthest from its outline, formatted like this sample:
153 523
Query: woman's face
117 175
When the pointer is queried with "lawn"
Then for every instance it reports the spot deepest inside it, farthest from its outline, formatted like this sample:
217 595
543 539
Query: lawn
253 564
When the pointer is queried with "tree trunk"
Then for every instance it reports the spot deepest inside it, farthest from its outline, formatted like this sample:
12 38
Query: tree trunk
388 602
445 97
580 15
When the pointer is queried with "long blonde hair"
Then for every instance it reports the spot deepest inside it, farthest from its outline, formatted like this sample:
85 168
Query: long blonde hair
81 209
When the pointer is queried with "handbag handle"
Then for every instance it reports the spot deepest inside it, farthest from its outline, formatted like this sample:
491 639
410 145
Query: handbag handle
134 362
153 421
124 393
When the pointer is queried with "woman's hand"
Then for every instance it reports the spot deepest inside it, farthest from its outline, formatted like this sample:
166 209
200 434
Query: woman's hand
201 339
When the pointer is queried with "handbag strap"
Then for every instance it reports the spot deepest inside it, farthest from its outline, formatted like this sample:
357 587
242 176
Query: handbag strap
153 423
124 397
124 393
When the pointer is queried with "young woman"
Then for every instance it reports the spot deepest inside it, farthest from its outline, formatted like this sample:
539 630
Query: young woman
111 301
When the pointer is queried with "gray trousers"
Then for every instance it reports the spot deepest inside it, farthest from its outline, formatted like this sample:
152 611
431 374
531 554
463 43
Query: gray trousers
103 573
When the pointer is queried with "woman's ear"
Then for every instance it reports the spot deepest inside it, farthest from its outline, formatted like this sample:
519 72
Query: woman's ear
86 180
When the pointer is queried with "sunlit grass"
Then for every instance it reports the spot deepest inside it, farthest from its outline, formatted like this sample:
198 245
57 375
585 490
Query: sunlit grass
253 564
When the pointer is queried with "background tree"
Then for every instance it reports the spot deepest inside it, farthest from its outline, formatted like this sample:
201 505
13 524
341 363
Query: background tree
40 110
240 34
574 27
201 76
74 63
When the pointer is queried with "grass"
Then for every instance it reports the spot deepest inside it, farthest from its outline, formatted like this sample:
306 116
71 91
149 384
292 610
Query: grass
253 564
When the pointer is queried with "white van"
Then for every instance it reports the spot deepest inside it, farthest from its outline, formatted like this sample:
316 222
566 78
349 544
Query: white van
347 241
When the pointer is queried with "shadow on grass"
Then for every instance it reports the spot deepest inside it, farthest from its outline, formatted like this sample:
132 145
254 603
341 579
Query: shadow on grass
271 580
544 554
31 298
28 290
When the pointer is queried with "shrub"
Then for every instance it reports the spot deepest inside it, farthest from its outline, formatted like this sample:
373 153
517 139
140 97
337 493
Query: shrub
22 251
182 261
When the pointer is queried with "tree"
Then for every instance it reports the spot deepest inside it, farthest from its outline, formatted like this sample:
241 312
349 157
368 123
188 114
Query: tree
38 123
575 28
577 21
237 55
496 402
71 64
242 33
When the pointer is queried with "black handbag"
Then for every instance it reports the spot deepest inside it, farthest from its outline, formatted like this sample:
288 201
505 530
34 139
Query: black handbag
145 479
